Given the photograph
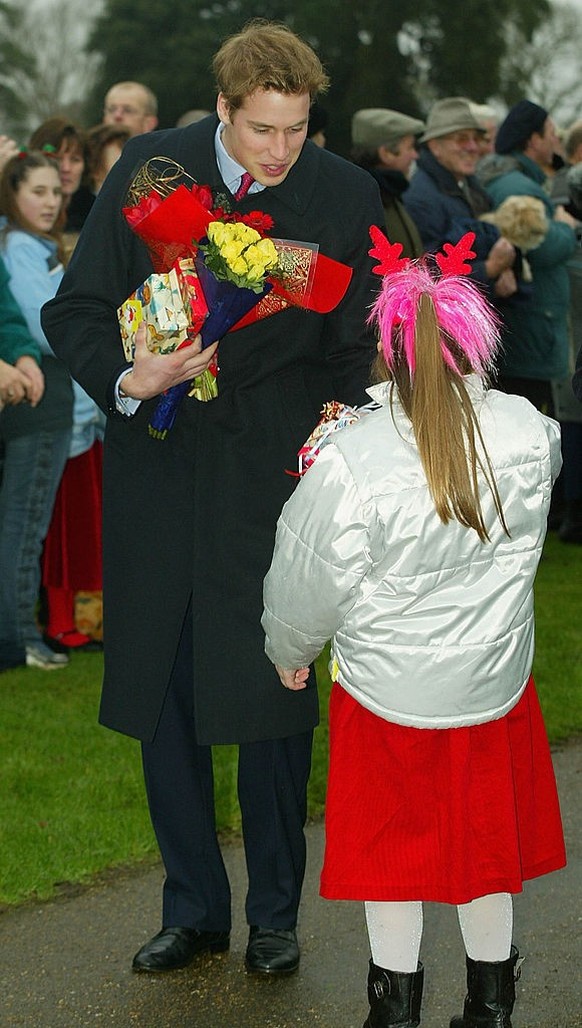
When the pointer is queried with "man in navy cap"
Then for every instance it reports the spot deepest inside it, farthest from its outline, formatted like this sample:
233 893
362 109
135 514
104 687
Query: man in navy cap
536 341
535 334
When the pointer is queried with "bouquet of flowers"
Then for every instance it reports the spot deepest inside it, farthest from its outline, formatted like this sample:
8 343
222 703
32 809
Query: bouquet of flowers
243 274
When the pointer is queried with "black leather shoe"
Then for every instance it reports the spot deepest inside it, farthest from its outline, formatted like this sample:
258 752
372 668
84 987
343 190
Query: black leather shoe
176 947
272 951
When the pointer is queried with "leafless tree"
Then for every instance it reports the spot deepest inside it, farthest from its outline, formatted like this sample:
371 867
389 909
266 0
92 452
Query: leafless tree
547 69
44 69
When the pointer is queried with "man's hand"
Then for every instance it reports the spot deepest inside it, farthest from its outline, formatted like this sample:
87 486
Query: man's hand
561 214
500 257
35 386
153 373
506 284
293 679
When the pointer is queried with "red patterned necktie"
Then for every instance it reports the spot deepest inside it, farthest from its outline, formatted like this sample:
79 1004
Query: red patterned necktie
245 184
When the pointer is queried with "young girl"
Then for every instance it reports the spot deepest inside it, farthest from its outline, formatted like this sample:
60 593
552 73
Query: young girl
72 550
413 543
36 438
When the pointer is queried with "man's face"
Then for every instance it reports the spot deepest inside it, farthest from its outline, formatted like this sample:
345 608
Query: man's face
543 145
266 134
458 152
403 158
487 138
126 106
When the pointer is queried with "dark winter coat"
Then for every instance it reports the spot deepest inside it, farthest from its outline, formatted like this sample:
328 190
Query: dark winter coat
443 211
535 335
195 514
577 380
400 227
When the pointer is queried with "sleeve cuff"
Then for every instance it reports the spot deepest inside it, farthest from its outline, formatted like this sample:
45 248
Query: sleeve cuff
125 405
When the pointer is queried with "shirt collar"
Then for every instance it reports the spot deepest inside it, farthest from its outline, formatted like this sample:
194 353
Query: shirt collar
230 170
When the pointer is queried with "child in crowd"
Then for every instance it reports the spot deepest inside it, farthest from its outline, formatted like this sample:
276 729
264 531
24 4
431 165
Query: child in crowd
21 381
413 544
36 437
72 552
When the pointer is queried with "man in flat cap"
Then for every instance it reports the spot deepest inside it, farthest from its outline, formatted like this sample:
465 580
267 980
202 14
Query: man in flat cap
445 200
384 143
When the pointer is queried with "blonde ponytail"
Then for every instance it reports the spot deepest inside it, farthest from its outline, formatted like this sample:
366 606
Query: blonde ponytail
446 428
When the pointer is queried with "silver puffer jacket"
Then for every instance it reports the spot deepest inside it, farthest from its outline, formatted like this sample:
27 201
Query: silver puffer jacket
430 627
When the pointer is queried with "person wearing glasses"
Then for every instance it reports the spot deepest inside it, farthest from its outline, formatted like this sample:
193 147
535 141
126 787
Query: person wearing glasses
132 106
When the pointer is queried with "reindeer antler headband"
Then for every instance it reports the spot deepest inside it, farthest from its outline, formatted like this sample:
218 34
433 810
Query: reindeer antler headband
462 312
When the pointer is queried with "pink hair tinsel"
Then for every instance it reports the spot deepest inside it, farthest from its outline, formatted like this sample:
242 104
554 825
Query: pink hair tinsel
463 314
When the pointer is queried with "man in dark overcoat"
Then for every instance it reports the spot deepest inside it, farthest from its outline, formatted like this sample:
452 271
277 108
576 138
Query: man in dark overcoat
189 521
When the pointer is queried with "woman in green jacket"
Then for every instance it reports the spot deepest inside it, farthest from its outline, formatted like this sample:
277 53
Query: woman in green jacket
20 375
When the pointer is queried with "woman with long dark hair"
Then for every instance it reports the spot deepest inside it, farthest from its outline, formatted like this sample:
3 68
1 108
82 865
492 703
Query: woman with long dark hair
36 438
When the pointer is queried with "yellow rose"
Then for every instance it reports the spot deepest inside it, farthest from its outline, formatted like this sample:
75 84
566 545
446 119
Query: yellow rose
255 274
239 266
231 252
254 256
267 248
216 233
248 235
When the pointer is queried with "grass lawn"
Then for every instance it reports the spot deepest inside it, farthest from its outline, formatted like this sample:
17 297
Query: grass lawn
71 795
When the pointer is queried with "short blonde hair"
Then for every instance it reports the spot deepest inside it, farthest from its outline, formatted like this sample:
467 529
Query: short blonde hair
266 55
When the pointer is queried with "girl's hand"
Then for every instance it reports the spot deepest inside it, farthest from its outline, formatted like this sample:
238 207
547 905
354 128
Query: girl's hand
293 679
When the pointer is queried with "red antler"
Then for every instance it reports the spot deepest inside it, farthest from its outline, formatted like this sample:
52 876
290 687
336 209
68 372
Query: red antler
387 253
452 261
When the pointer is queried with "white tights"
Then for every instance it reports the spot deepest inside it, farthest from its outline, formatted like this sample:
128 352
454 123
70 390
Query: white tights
395 930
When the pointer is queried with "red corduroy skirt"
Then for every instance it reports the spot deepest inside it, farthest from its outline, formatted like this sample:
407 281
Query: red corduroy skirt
72 555
442 815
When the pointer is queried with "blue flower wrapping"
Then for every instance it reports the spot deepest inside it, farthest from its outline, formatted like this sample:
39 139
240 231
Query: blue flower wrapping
165 413
227 303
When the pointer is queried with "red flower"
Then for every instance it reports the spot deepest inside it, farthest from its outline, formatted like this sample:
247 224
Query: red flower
204 195
221 214
147 204
260 222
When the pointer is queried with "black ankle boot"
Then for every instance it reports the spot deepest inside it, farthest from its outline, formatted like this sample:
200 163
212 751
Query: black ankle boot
394 998
490 993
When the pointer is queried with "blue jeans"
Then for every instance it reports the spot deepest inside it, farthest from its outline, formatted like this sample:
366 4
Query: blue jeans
33 466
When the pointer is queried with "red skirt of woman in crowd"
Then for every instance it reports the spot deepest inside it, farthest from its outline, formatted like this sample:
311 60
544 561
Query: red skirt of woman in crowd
72 559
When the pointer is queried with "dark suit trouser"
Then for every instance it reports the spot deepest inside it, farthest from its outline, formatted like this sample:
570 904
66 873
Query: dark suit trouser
272 788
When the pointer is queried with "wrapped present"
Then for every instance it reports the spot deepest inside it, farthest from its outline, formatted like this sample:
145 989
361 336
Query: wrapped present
171 304
334 416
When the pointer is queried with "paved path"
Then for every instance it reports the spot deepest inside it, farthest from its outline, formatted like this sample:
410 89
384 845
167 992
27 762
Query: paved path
65 964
